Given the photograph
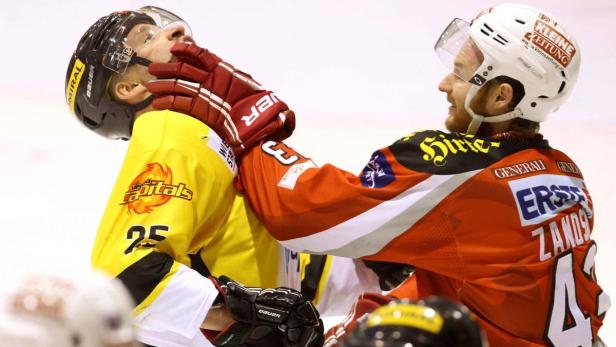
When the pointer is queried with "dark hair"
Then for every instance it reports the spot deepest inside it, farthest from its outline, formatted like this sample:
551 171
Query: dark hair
518 124
518 89
524 126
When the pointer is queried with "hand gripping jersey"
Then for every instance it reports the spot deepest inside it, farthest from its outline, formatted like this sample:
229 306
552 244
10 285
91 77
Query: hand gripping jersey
501 224
174 218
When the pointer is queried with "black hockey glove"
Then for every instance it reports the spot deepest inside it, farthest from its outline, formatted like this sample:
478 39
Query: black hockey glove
390 275
279 317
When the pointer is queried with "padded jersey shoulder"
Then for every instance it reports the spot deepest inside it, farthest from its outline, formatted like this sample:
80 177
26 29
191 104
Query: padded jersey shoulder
156 130
172 133
442 153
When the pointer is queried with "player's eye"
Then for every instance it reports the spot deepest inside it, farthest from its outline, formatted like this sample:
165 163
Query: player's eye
148 37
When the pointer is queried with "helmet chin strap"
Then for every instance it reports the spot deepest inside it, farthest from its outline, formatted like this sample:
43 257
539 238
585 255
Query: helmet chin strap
478 119
135 59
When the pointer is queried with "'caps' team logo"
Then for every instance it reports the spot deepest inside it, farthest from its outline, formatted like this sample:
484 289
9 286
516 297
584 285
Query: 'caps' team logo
153 187
378 172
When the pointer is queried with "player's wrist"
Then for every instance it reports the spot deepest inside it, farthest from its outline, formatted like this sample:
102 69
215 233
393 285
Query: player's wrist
217 318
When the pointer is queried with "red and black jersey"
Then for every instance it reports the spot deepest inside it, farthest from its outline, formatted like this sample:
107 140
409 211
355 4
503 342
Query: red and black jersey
502 224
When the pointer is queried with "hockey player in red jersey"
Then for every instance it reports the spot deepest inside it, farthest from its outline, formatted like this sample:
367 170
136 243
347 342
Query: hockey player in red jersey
489 213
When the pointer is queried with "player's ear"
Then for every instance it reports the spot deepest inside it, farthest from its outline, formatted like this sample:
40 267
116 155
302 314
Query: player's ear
130 92
501 98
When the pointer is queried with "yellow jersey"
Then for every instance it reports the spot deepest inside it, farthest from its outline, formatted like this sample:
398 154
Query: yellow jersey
174 218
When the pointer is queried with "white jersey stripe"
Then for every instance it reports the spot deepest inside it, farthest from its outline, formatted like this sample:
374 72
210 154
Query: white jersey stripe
175 316
369 232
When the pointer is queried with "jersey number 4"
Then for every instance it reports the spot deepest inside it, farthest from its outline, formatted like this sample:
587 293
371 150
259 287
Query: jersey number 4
567 324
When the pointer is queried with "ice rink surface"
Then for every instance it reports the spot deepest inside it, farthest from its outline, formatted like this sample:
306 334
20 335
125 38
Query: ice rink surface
359 74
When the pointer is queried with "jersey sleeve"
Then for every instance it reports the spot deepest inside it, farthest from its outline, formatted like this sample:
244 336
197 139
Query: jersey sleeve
343 280
165 206
395 210
331 211
331 283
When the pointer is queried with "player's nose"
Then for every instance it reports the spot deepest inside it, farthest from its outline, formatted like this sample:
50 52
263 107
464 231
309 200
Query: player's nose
445 84
175 33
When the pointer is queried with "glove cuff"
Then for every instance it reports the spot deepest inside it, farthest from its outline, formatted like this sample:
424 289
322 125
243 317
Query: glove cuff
220 299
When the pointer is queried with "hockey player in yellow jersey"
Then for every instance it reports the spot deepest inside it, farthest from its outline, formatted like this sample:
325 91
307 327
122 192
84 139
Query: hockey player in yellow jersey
173 218
173 198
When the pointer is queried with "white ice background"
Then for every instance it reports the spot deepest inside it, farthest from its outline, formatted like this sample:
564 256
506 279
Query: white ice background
358 73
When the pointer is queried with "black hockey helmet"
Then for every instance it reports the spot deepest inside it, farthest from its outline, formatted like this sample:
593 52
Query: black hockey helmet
102 52
434 322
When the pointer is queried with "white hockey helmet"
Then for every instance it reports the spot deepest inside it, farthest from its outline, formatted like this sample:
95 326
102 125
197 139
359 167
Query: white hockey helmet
520 42
52 311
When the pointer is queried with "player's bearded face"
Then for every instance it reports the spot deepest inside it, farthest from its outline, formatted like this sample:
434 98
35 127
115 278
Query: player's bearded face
466 63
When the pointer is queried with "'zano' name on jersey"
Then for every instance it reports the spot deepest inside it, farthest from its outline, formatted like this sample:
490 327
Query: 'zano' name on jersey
562 234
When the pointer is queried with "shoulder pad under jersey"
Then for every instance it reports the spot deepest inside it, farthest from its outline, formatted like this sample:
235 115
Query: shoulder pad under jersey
443 153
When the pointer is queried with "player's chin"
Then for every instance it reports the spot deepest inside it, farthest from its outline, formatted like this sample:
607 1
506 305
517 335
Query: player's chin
450 123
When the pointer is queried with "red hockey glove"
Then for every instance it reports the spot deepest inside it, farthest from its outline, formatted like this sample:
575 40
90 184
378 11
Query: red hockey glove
365 304
227 100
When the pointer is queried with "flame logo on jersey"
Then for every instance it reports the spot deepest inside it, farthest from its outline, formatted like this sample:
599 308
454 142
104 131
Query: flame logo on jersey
153 187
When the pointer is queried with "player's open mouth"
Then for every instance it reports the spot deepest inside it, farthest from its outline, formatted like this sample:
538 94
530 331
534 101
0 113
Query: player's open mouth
187 39
184 39
452 106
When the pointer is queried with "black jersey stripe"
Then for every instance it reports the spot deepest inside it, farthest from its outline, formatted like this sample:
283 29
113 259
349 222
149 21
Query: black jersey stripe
312 276
441 153
144 275
197 264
